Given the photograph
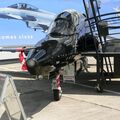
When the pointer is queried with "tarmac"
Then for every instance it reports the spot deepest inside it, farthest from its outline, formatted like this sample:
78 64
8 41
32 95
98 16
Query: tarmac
79 101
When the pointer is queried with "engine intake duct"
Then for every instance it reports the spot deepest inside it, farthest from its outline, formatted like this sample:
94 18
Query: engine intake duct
87 43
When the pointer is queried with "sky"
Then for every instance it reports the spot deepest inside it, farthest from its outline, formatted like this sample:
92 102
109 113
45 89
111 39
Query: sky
27 36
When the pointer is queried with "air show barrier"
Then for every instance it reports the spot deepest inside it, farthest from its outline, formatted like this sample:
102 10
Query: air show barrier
9 98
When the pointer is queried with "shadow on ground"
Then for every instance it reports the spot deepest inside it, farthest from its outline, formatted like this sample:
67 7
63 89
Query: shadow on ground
37 94
34 95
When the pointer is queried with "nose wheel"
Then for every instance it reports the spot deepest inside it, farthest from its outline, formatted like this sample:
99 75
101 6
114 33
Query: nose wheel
56 85
56 88
57 94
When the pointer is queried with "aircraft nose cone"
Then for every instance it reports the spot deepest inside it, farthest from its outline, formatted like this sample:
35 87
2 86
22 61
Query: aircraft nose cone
31 63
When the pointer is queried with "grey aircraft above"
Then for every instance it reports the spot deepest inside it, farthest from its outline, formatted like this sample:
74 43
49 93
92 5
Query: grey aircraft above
32 16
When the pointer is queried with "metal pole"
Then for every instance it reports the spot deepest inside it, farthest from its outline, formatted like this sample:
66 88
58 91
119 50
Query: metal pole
96 21
87 16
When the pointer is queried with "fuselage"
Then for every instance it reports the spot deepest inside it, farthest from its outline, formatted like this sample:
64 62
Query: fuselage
58 48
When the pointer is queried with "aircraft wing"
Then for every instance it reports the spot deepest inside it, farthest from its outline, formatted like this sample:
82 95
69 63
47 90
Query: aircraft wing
38 25
35 20
11 49
19 49
30 21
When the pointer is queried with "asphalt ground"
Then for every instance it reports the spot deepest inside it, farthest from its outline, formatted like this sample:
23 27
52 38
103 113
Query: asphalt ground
79 101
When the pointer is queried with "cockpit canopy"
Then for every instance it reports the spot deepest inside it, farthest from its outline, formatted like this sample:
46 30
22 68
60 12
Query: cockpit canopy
62 25
23 6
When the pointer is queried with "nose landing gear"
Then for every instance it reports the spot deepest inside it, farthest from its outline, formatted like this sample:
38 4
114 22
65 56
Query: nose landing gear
56 88
55 78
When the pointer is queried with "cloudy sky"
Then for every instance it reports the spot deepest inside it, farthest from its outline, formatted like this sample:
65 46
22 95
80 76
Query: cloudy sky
18 28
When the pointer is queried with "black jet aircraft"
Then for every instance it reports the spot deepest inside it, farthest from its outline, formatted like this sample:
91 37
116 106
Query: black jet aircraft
67 36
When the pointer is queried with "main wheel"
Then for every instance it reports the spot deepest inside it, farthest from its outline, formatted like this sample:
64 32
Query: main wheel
56 94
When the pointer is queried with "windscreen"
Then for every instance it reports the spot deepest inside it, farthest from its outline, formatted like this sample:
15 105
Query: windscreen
61 26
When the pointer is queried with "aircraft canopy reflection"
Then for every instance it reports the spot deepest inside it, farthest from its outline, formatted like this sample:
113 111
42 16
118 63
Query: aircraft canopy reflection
24 6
